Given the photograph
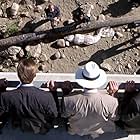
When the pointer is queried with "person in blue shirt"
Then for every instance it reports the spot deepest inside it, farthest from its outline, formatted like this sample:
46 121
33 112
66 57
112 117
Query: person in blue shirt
53 14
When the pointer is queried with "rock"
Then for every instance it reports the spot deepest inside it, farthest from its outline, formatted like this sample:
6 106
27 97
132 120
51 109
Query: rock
43 68
14 58
76 47
29 6
9 62
20 22
101 17
60 43
63 55
16 64
34 51
128 66
3 28
25 14
119 34
128 30
67 43
21 53
57 55
137 40
38 9
70 21
69 38
5 70
1 67
43 58
114 38
123 30
106 66
1 13
14 9
13 50
120 68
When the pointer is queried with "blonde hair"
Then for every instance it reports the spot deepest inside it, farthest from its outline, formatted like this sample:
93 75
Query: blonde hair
26 70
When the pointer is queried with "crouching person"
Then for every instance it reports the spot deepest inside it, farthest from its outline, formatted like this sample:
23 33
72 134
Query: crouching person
29 108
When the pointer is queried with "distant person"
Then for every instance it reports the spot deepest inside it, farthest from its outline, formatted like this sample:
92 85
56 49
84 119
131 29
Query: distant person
53 14
29 108
83 13
90 112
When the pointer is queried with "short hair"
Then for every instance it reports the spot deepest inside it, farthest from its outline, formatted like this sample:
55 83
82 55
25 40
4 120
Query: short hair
26 70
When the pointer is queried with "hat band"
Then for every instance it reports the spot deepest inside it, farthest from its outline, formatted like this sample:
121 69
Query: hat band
87 78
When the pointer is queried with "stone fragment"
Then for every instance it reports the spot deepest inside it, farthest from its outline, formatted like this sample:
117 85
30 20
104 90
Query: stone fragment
1 67
16 64
24 14
63 55
38 9
14 9
76 47
43 57
34 51
57 55
101 17
13 50
60 43
3 28
119 34
5 70
128 66
67 43
1 13
106 66
137 40
43 68
128 30
70 21
21 53
114 38
123 30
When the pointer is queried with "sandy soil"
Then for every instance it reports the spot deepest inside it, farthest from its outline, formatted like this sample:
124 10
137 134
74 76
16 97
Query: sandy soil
121 54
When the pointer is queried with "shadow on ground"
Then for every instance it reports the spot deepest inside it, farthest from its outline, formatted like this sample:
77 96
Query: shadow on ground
101 55
118 8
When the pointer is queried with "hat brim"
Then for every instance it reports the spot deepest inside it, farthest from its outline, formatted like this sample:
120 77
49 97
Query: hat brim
101 81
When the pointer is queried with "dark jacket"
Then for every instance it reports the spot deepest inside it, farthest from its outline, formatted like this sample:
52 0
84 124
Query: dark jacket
130 112
30 108
50 15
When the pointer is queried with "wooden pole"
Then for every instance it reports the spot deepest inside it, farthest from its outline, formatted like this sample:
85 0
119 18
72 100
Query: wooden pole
60 32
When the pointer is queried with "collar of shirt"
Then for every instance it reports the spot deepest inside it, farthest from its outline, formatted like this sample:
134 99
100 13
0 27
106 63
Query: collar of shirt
25 85
90 91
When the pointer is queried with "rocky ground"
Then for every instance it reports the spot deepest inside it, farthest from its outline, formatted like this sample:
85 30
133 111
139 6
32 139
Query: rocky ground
120 54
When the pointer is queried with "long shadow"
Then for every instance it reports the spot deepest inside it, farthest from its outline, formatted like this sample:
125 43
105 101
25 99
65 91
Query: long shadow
101 55
118 8
31 26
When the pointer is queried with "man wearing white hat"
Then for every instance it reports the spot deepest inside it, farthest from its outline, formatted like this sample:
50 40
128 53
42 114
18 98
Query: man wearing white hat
91 112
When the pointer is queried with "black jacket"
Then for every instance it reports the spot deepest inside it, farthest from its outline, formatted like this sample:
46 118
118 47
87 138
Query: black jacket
30 108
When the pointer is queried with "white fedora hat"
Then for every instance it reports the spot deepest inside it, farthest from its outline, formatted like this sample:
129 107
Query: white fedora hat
91 76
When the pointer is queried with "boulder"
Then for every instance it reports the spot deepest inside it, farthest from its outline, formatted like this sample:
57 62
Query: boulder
60 43
34 51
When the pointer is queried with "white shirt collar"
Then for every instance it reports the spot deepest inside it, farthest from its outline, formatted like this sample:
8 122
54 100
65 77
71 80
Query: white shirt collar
25 85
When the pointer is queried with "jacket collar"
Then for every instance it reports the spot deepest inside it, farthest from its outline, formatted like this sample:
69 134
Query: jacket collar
90 91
